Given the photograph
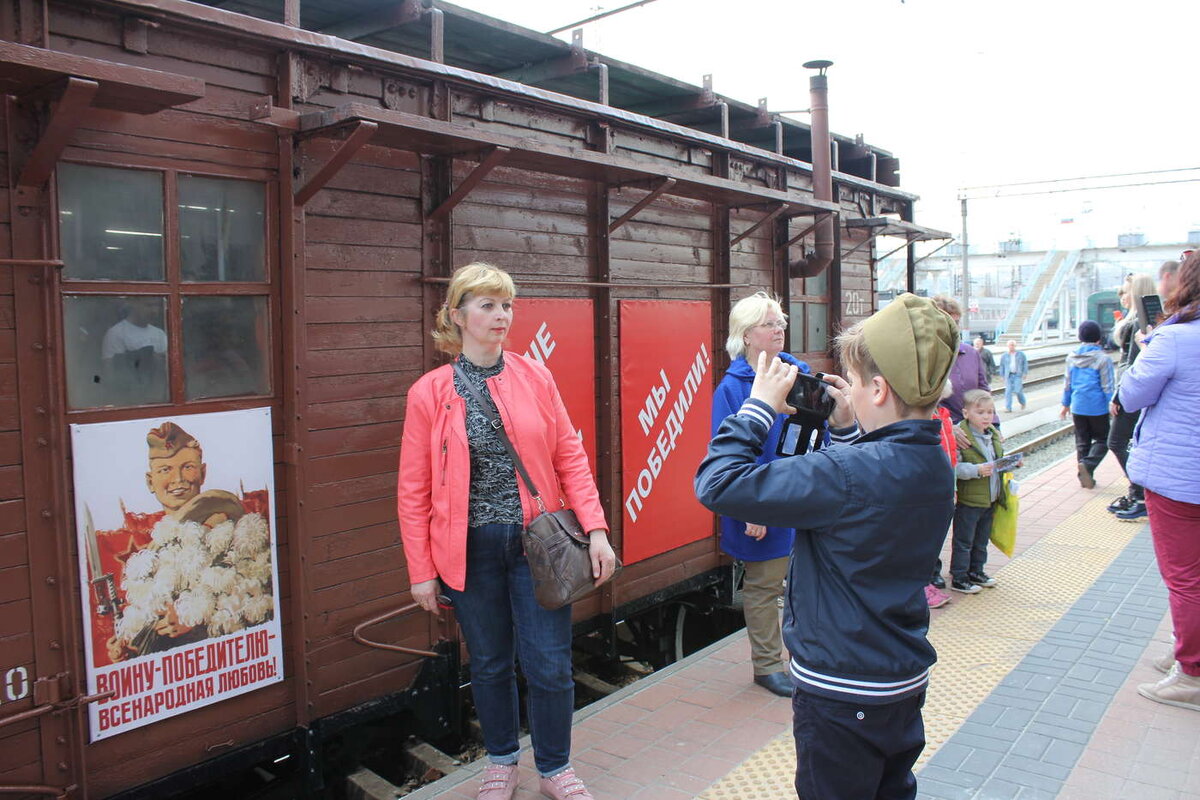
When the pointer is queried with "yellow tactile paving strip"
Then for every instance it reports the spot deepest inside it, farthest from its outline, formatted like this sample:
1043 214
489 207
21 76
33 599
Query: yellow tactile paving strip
979 639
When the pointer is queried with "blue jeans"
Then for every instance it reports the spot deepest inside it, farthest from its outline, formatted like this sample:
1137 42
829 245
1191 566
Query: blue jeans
972 529
1013 385
499 615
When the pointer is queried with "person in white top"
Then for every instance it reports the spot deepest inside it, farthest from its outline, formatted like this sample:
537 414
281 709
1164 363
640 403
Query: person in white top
133 355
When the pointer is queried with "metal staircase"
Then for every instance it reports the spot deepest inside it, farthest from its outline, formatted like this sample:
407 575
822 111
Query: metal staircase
1049 297
1028 302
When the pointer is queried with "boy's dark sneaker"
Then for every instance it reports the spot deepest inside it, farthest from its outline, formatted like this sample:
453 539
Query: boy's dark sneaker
1135 513
964 585
1085 476
1122 503
938 582
981 579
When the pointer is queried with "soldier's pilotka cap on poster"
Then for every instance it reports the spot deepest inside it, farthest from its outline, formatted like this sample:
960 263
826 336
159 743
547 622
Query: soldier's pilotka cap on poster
168 439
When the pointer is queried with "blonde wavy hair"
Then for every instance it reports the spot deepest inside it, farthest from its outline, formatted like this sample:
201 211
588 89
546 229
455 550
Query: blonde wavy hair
467 281
745 314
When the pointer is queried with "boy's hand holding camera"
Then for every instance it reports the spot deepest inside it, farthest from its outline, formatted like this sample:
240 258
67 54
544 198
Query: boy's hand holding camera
774 378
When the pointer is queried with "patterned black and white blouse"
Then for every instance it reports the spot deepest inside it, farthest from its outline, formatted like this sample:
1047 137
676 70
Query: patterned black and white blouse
493 496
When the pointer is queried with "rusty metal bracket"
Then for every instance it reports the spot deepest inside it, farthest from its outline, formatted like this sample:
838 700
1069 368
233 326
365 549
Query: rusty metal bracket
817 220
660 187
773 215
358 637
77 95
56 706
486 164
359 136
60 792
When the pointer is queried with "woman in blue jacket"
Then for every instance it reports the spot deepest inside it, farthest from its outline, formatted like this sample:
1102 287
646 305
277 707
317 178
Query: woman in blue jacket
757 324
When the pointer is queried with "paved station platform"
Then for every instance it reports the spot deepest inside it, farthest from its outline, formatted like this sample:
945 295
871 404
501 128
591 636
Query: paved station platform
1034 694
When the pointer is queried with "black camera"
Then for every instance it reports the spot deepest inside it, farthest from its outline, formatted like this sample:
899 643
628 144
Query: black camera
805 430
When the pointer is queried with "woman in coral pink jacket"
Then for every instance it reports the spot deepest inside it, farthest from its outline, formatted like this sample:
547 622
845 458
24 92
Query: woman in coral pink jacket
462 509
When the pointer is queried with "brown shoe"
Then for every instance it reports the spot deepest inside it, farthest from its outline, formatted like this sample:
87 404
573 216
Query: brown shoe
1085 476
1177 689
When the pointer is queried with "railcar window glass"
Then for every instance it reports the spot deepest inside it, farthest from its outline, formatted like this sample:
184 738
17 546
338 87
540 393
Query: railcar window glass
224 346
116 350
817 285
796 327
221 229
817 329
110 223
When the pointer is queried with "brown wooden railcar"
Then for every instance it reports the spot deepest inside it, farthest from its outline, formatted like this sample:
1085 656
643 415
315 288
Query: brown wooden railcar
386 151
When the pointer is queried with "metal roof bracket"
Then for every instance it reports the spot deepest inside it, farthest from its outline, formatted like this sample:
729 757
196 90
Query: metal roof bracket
659 188
359 136
487 163
770 217
818 218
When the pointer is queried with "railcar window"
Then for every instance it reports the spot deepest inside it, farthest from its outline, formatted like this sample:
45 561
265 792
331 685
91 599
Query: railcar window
224 346
116 350
221 232
166 286
110 223
817 330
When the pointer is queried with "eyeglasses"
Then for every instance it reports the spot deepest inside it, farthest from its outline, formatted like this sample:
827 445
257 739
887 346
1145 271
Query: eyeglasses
779 324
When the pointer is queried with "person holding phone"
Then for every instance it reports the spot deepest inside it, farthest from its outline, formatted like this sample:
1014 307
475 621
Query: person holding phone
1165 386
1130 507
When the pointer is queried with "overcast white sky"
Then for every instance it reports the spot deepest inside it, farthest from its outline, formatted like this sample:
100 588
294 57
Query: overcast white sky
965 92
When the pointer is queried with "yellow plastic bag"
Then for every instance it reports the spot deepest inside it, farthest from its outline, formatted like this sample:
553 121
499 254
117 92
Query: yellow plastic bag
1004 521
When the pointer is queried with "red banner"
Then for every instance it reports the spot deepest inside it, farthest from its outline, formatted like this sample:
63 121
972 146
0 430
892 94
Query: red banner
666 405
559 334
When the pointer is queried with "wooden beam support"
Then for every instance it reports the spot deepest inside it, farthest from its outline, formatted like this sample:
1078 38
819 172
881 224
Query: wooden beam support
76 98
359 136
390 16
486 165
664 185
437 35
774 214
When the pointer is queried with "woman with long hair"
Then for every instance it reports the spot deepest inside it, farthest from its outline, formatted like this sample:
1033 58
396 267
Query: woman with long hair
462 510
1164 385
1130 507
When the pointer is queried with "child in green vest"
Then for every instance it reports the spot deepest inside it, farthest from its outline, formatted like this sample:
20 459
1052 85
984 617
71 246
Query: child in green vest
980 489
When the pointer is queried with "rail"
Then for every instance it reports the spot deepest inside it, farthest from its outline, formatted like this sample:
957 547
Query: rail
358 637
1044 440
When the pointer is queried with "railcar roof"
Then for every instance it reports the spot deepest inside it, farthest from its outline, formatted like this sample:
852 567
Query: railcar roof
492 46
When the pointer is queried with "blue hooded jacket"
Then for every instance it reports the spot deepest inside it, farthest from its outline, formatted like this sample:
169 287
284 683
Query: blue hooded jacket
1088 383
731 392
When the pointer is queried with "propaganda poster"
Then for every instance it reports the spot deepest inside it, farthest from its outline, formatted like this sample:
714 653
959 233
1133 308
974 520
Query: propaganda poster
666 410
558 333
180 588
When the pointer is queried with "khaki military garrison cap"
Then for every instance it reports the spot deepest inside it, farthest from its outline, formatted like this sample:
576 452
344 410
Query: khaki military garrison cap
168 439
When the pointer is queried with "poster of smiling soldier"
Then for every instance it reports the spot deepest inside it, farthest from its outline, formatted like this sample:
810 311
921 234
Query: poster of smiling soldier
176 530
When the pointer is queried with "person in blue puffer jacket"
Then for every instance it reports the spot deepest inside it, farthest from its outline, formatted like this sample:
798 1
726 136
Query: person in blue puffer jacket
757 324
1087 389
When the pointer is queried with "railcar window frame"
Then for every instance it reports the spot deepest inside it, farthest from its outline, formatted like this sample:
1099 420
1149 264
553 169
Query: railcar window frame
176 289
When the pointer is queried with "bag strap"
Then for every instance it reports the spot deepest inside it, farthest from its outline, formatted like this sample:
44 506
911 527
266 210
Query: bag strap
498 426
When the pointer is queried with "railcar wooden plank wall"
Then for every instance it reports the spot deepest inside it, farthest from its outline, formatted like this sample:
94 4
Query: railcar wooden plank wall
353 281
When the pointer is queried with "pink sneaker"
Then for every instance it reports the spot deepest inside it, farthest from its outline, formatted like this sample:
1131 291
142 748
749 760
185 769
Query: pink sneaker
565 786
499 782
935 596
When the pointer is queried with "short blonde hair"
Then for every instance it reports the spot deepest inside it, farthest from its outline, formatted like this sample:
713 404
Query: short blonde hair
1141 285
973 397
855 356
948 304
472 279
745 314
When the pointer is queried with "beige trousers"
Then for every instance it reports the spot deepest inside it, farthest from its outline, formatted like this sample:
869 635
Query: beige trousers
761 589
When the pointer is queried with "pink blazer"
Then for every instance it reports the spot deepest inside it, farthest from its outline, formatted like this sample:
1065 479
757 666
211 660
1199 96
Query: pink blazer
435 463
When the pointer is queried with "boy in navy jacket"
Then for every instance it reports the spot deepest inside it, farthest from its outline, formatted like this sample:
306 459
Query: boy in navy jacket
870 517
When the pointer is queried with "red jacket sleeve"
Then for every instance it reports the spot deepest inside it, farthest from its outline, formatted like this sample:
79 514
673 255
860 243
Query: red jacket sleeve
414 484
